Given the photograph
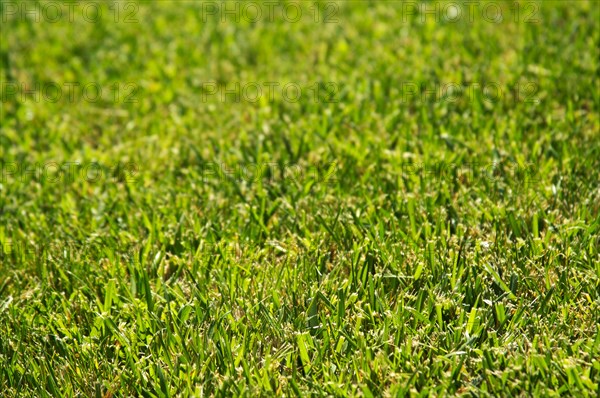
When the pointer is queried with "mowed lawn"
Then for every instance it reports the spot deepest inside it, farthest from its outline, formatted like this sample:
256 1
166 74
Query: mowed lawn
307 198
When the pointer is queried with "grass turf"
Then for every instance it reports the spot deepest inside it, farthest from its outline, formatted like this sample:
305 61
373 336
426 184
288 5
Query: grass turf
412 209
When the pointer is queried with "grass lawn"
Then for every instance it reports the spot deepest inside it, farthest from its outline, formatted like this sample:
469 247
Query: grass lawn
300 198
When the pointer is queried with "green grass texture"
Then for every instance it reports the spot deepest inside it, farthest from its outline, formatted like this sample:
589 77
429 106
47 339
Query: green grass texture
299 198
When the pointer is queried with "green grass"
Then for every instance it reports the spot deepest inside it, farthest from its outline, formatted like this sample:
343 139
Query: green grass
363 240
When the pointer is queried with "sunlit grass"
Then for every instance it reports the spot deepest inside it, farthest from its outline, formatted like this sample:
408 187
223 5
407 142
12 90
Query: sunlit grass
421 220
